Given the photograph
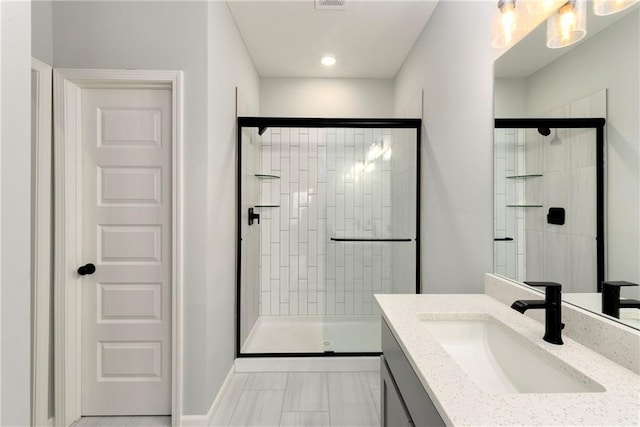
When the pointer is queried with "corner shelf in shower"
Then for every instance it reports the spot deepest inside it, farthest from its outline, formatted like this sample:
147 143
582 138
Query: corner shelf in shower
524 176
266 176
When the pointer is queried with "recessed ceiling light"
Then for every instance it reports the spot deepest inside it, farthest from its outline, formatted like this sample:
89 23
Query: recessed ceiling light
328 61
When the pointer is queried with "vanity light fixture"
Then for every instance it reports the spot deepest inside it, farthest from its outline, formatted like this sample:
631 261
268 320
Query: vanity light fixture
508 24
568 25
542 7
328 61
609 7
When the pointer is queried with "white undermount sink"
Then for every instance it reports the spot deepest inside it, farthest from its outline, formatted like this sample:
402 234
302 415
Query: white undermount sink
500 360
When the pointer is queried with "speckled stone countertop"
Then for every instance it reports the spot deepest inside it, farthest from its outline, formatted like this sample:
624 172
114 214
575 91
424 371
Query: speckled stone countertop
460 402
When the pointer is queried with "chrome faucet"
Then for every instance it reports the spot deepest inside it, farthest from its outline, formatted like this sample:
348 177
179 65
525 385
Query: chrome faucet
552 304
611 302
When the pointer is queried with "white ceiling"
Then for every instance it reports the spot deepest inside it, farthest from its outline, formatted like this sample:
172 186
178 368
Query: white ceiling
531 53
370 39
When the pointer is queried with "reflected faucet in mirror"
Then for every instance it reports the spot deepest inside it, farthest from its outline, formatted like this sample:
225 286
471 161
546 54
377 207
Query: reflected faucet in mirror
611 302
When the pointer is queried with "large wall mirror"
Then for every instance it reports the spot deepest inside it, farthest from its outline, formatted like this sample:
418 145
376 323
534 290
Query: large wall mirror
567 202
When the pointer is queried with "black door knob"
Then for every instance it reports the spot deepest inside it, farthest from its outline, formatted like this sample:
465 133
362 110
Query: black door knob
87 269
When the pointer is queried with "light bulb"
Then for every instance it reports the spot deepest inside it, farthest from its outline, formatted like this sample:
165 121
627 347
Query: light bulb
508 20
568 25
507 24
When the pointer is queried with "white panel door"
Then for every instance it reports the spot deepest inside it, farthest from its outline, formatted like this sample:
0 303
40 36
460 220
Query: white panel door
126 232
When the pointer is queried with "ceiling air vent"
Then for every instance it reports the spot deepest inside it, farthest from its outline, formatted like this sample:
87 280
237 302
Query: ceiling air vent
331 4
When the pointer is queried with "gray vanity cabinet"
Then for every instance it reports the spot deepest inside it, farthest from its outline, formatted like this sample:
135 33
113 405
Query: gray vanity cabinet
392 409
403 399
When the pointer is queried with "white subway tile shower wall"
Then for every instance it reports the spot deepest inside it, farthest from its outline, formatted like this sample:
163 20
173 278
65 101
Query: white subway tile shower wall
326 189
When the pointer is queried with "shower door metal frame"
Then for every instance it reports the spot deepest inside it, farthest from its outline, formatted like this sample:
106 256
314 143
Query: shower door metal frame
578 123
262 123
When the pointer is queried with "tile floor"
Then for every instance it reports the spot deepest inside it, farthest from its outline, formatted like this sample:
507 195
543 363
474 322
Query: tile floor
286 399
297 399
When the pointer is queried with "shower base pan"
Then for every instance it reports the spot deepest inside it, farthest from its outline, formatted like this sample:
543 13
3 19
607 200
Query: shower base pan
314 334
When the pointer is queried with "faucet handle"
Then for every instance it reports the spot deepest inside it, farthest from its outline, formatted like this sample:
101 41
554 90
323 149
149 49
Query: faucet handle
618 283
552 290
544 284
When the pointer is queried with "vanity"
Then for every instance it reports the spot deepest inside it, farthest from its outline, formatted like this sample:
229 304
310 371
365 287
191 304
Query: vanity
472 360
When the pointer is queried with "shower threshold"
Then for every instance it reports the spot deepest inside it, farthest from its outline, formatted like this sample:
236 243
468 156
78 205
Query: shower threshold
314 334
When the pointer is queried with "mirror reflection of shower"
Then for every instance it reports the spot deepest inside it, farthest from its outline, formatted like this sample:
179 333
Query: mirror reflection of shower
546 202
556 139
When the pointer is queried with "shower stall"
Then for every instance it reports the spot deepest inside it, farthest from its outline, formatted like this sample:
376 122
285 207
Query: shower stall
327 217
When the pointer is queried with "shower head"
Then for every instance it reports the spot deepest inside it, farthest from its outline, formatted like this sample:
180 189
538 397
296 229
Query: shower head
544 131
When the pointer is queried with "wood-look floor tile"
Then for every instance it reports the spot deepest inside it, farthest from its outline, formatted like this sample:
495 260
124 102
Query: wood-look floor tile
266 381
375 396
350 400
373 379
147 421
261 408
306 391
86 421
102 421
305 419
229 400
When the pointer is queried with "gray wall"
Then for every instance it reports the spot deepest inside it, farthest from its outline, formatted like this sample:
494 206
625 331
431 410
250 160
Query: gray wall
201 39
15 222
229 66
307 97
452 61
42 30
509 98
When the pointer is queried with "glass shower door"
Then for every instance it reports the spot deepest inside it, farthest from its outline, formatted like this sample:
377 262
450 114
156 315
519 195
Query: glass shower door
370 231
338 224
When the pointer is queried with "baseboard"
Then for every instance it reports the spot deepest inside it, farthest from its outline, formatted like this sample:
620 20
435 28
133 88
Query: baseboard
307 364
205 420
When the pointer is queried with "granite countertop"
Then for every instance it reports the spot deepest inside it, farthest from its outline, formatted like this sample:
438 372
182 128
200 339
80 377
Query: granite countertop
460 402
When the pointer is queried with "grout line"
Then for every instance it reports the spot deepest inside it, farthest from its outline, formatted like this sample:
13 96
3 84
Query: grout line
235 406
329 400
284 394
